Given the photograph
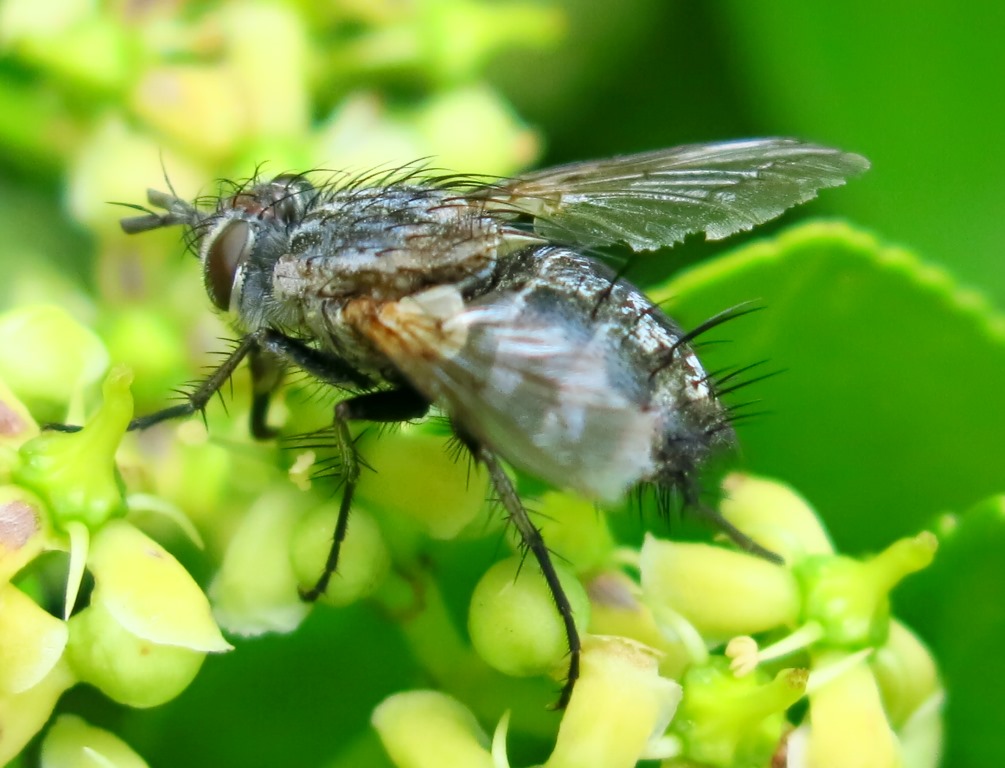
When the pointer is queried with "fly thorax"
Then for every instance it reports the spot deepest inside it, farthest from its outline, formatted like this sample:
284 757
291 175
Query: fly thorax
386 244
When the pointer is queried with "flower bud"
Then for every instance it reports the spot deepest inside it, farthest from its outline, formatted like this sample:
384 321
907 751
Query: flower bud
774 516
152 345
363 559
274 88
116 162
513 622
255 590
198 105
484 28
721 592
576 530
86 49
416 476
47 357
474 127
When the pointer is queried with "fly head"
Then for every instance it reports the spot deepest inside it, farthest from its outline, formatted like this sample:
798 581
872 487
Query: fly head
238 240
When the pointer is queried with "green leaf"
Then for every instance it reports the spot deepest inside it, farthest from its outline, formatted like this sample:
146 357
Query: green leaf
883 412
958 605
912 91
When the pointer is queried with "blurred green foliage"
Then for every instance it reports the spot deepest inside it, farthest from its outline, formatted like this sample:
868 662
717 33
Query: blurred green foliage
889 410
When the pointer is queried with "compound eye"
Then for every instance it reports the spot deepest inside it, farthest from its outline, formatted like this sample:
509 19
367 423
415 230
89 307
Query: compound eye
226 252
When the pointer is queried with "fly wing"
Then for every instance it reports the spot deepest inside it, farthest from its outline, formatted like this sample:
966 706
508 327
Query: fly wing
655 199
521 386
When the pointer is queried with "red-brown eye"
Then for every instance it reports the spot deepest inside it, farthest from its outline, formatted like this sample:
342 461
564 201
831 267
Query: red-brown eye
228 250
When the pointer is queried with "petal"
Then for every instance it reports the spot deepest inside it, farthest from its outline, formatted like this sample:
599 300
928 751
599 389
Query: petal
31 641
774 515
149 592
22 529
428 729
73 743
848 727
22 715
619 707
255 590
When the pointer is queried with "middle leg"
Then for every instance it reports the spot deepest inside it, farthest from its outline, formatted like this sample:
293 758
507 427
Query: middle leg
387 406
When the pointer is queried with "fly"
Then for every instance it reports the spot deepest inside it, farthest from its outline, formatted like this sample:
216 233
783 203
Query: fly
484 300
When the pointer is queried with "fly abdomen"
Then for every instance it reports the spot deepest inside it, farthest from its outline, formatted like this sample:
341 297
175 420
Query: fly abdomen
594 377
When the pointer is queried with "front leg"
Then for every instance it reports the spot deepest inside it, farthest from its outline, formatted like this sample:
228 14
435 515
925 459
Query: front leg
196 400
387 406
269 351
272 353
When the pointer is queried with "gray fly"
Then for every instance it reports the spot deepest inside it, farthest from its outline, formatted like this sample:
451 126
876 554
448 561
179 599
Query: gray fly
484 299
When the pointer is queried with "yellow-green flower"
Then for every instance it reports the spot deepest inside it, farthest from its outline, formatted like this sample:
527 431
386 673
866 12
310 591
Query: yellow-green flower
617 716
146 625
619 710
831 608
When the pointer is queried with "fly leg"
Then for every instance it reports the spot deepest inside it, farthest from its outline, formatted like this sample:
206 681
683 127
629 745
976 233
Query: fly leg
197 399
200 397
715 518
267 370
531 536
387 406
272 352
269 351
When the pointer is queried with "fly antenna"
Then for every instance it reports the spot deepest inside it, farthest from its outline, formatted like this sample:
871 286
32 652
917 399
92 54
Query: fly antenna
176 211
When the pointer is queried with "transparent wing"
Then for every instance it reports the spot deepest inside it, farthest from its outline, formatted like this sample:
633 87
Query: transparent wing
526 389
654 199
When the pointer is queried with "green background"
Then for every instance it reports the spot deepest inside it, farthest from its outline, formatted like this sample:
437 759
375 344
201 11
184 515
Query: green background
890 407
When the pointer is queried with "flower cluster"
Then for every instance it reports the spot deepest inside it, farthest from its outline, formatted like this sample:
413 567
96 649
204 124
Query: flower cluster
107 99
118 611
694 654
672 670
142 627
